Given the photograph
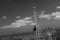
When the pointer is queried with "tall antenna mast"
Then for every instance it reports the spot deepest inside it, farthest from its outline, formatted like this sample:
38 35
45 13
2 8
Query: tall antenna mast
36 32
35 16
37 36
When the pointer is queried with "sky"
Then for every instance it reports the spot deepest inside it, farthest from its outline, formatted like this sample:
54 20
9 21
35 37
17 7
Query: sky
9 9
21 7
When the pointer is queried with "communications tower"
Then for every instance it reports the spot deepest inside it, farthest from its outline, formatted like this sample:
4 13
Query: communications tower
37 34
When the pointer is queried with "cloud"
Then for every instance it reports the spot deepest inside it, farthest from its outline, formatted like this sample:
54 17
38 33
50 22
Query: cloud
18 17
58 7
48 16
54 15
27 18
4 17
21 23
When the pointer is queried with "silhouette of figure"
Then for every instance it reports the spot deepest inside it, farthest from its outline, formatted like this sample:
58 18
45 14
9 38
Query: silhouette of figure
34 29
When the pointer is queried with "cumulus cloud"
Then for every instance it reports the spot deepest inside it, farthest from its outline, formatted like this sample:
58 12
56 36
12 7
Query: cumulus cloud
18 17
21 22
43 15
27 18
54 15
4 17
58 7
